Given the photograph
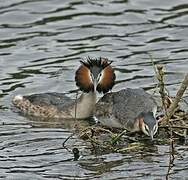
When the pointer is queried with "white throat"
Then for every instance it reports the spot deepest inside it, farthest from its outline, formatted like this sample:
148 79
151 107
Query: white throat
85 105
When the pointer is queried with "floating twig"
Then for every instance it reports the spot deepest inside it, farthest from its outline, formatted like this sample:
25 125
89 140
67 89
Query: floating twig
171 158
116 138
76 102
178 127
160 78
63 144
177 99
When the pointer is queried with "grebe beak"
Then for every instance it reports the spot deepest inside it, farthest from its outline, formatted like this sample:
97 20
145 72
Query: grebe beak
151 135
95 84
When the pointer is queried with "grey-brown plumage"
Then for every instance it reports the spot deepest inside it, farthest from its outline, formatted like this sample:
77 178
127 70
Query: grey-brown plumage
92 75
122 109
45 105
59 100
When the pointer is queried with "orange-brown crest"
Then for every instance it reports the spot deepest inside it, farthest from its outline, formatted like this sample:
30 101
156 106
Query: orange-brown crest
83 80
107 80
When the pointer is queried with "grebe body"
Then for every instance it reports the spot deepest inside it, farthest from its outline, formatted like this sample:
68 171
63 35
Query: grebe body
132 109
56 105
93 75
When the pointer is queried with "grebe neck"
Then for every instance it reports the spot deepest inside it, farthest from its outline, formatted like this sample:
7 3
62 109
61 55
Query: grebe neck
85 105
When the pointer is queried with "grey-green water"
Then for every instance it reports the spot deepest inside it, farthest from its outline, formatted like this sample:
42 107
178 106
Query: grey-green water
41 43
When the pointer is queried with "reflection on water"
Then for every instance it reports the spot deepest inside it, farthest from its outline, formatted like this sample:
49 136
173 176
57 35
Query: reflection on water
41 43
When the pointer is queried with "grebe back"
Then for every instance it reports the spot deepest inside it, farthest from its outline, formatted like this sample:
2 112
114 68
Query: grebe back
93 75
132 109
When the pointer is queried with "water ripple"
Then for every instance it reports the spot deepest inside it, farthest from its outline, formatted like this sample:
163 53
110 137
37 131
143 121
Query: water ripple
41 44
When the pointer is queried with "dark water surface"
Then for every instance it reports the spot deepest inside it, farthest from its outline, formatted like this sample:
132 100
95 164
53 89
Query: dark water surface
41 43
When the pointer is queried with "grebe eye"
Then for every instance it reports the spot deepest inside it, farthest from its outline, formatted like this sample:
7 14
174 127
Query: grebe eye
91 75
99 76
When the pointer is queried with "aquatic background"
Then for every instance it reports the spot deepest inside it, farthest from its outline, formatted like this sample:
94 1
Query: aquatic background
41 43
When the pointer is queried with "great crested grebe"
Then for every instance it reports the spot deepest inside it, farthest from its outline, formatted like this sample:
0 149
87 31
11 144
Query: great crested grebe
132 109
93 75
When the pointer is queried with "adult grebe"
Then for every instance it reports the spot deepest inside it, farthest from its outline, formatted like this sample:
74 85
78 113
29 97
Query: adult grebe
132 109
93 75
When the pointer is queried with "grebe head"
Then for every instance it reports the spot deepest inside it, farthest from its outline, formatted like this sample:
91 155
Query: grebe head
149 125
95 74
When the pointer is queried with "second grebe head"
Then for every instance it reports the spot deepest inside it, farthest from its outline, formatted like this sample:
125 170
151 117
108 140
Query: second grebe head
149 125
95 74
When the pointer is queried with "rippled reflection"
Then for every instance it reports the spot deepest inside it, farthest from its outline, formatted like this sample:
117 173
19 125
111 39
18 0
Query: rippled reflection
41 43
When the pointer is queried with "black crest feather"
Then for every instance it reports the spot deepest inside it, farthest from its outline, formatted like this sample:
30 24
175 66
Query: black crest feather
84 81
101 62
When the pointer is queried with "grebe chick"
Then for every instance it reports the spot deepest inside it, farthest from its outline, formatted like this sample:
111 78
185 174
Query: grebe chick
132 109
93 75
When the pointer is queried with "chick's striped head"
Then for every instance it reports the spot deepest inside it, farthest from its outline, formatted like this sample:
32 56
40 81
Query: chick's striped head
95 75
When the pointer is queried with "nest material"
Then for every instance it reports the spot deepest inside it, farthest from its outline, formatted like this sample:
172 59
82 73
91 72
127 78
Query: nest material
115 140
178 123
102 139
